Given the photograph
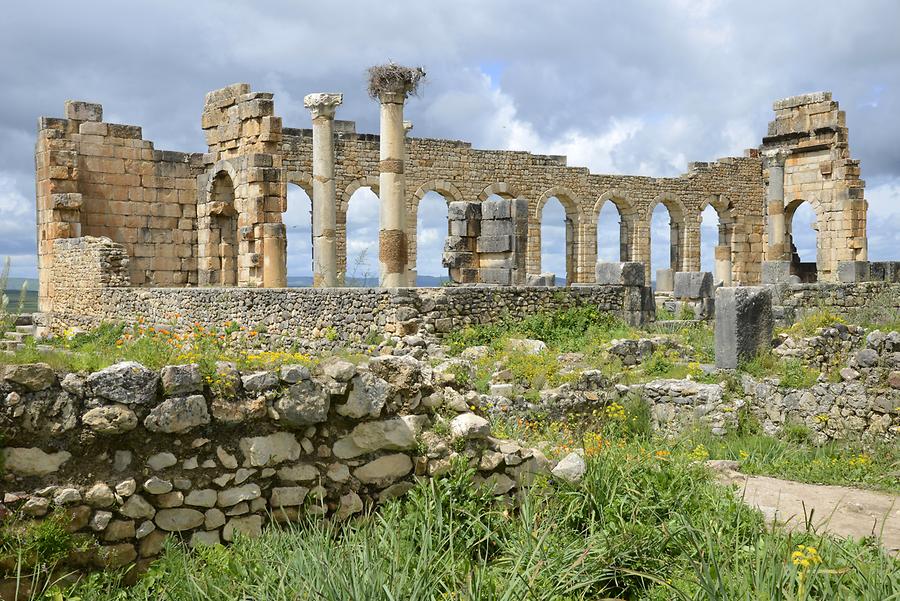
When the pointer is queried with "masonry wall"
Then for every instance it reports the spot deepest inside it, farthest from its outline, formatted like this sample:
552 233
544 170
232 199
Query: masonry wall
734 186
316 317
103 179
128 456
793 301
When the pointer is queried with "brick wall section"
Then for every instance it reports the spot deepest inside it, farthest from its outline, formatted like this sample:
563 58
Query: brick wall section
103 179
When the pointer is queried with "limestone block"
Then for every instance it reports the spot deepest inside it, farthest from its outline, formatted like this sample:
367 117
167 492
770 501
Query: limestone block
619 274
496 275
693 285
494 244
853 271
496 208
80 110
543 279
463 211
778 272
32 461
744 324
665 280
498 227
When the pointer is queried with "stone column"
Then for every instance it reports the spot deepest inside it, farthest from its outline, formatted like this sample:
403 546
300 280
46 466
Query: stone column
392 243
322 107
722 269
775 206
412 274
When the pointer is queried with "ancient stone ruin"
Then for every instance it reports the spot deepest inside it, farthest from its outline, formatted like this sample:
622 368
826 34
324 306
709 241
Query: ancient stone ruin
215 219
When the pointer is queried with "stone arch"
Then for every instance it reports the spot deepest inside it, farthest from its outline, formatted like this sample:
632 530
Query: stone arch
571 204
292 220
304 180
343 203
450 193
220 166
628 218
724 260
501 189
677 225
807 271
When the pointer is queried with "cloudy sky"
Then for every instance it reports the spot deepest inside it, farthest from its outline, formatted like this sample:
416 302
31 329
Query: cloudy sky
640 87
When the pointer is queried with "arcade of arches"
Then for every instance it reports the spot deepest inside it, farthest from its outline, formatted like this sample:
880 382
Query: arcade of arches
219 218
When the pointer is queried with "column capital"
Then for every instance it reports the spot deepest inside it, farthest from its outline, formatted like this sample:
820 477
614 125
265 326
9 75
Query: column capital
775 157
392 83
407 127
323 104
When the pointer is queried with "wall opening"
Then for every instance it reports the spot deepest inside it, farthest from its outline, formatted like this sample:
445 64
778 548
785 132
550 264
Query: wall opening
362 221
224 234
801 237
665 249
297 221
432 229
611 239
557 233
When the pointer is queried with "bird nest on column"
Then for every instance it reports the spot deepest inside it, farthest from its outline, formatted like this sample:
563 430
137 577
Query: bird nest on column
393 78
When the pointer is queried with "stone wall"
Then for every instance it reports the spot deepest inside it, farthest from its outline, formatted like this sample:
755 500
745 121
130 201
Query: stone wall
792 301
313 317
733 186
131 455
808 160
103 179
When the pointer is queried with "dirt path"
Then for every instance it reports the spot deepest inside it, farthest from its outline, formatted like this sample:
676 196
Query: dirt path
840 510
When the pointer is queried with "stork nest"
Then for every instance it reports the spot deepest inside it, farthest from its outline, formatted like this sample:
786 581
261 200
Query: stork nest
394 78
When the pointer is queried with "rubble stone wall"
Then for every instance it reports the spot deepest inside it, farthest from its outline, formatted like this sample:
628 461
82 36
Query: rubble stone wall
309 317
792 301
129 455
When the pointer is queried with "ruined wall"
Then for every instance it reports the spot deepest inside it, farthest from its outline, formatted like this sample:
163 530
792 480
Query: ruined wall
104 179
734 186
808 160
792 301
241 239
130 456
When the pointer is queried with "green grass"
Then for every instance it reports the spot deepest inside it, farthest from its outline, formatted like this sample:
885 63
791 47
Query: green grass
792 373
642 525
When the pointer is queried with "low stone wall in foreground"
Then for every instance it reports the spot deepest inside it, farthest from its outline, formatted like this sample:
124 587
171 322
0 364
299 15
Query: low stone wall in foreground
132 455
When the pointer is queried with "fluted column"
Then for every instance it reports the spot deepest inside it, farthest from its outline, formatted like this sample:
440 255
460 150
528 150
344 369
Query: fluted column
322 107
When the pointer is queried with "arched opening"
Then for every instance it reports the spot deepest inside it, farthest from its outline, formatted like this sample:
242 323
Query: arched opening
557 234
801 237
223 231
666 230
611 239
362 221
431 232
716 231
297 221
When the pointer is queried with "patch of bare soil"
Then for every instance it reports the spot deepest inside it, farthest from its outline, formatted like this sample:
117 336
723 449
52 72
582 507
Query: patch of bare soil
839 510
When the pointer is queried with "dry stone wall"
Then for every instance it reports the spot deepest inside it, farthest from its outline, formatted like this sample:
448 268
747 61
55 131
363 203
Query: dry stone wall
313 318
129 456
853 301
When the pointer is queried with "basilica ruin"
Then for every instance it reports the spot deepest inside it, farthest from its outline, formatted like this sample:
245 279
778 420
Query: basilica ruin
120 222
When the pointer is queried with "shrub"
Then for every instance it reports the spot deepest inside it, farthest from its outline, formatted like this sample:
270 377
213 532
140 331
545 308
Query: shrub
810 323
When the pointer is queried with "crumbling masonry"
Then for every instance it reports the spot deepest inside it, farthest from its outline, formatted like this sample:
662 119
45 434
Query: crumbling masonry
215 219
